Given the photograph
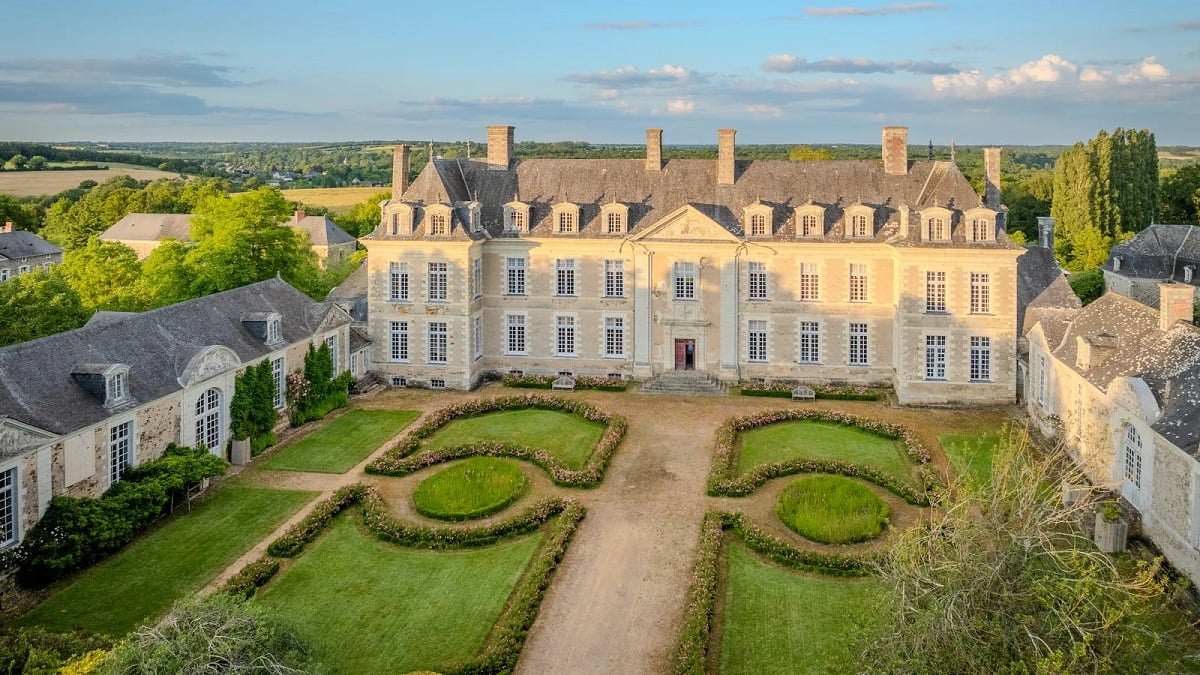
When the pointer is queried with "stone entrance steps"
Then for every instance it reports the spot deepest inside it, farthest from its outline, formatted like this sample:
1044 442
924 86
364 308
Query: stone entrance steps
684 383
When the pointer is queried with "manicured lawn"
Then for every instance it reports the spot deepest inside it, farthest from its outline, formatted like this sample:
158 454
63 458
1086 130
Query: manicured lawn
832 509
365 606
473 488
568 437
971 454
821 440
141 581
778 621
344 442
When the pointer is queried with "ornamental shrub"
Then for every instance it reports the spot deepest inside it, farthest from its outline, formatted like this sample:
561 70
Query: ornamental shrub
251 577
252 412
314 392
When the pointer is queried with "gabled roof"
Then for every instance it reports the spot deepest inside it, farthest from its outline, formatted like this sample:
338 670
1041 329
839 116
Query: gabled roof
158 345
150 227
1041 286
20 244
321 231
1158 252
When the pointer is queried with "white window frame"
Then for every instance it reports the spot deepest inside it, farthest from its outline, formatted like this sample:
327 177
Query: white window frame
858 281
809 342
516 271
758 225
279 379
757 340
614 337
1041 382
439 224
684 280
614 278
565 277
477 336
935 292
935 229
981 229
437 281
477 277
981 358
122 449
437 342
398 286
516 337
810 225
332 343
810 282
566 222
1131 466
398 343
208 419
10 506
566 335
116 387
859 344
935 358
981 293
756 286
858 226
615 222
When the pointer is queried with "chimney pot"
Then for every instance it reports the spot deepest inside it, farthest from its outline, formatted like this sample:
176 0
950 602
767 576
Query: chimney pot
499 147
1046 232
895 151
1175 304
400 166
654 149
298 216
725 164
991 178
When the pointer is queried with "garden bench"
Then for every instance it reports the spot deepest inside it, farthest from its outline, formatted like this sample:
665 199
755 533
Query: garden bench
803 393
564 382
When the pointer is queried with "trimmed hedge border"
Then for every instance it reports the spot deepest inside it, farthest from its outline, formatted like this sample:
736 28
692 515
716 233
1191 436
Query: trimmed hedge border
406 456
785 391
691 649
252 577
290 543
582 382
724 481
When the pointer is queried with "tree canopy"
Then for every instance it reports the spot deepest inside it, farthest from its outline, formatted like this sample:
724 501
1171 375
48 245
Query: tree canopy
37 304
1179 196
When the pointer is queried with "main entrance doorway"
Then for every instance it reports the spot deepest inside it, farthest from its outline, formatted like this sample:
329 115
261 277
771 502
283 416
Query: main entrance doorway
685 355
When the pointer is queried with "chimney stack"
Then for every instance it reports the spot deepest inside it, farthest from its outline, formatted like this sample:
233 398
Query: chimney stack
8 227
725 147
298 216
654 149
991 178
1046 232
399 171
895 151
1175 304
500 147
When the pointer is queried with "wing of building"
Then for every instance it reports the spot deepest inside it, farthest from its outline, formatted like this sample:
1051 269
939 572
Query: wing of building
891 271
79 407
22 251
1156 254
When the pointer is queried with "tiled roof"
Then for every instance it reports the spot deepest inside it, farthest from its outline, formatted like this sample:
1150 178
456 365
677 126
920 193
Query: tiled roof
1158 252
321 231
150 227
1040 285
21 244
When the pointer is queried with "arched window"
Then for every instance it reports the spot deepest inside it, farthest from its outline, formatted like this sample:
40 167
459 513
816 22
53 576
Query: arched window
936 230
208 419
1133 456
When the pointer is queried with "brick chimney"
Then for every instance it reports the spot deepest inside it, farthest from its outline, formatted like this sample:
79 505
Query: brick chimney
654 149
399 171
895 151
8 227
1175 304
1046 232
725 147
500 147
991 178
298 216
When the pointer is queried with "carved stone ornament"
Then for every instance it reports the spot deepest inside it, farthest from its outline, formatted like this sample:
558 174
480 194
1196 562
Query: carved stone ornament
209 362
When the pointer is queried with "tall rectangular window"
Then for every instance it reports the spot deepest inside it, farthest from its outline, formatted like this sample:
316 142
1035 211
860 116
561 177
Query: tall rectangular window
436 335
858 226
277 379
564 276
758 281
614 336
331 342
616 224
810 281
614 278
8 507
859 354
397 282
436 281
398 341
935 291
514 326
935 357
477 277
515 271
477 336
758 225
685 281
858 282
810 342
120 450
981 293
1041 381
438 224
564 344
809 226
981 230
981 359
757 342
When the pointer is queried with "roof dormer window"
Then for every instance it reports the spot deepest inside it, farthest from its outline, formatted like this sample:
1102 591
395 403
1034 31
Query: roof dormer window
516 217
810 220
981 229
107 382
936 224
615 218
566 218
402 218
274 332
437 220
1116 263
758 219
115 386
860 221
1188 271
474 209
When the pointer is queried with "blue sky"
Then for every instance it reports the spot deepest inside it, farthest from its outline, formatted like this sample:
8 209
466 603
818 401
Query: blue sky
1013 72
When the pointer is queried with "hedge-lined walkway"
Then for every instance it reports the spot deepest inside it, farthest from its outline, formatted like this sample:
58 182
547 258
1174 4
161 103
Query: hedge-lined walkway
616 602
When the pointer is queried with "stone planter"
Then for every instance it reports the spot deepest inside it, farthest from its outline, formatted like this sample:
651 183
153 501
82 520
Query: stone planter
1110 537
1074 493
239 454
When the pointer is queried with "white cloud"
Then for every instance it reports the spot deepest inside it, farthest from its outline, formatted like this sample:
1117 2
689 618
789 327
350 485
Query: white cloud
1050 73
680 106
790 63
631 76
763 110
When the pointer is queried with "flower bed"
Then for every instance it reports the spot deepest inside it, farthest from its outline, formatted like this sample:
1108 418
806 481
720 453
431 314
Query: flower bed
252 577
406 456
784 390
724 481
581 382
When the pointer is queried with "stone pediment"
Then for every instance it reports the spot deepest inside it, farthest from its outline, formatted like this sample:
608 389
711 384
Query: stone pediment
688 224
209 362
16 438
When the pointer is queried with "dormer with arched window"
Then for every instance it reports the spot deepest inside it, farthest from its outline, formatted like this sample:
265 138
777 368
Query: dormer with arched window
474 216
565 219
438 218
980 224
516 217
399 219
936 223
614 218
108 382
810 220
758 220
860 221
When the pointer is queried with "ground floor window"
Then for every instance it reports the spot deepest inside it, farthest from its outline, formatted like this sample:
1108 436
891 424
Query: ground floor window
208 419
757 341
8 507
565 336
277 368
1133 456
858 344
437 342
981 359
120 450
810 342
515 328
935 357
398 336
614 336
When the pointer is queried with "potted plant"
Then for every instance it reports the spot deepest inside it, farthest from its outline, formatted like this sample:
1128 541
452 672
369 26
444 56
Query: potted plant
1111 529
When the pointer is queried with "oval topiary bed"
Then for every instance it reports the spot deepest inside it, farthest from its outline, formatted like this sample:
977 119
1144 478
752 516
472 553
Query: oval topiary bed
832 509
473 488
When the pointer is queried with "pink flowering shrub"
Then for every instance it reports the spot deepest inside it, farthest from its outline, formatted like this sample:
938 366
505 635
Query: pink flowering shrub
290 543
252 577
581 382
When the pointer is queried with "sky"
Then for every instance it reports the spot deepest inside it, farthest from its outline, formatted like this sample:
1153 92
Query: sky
995 72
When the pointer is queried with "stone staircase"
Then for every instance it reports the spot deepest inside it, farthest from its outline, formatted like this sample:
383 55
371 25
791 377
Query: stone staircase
684 383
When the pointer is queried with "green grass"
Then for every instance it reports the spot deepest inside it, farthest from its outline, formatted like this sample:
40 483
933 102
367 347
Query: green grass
141 581
340 445
832 509
365 606
473 488
778 621
971 455
821 440
568 437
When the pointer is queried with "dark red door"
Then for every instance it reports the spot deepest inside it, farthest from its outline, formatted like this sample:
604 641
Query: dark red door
680 354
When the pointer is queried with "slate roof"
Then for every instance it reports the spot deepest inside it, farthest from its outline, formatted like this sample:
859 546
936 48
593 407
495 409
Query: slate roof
651 195
21 244
1152 253
156 345
321 231
1041 285
351 294
150 227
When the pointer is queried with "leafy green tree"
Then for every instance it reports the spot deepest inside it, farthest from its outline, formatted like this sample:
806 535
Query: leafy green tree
106 275
364 217
166 278
20 215
37 163
1088 285
37 304
252 412
1027 199
804 152
1103 192
17 161
1179 196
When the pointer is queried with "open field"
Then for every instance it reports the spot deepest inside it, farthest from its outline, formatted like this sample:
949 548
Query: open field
337 200
36 183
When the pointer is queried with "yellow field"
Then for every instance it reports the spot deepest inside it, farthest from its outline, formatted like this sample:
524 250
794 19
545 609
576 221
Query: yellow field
34 183
337 200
